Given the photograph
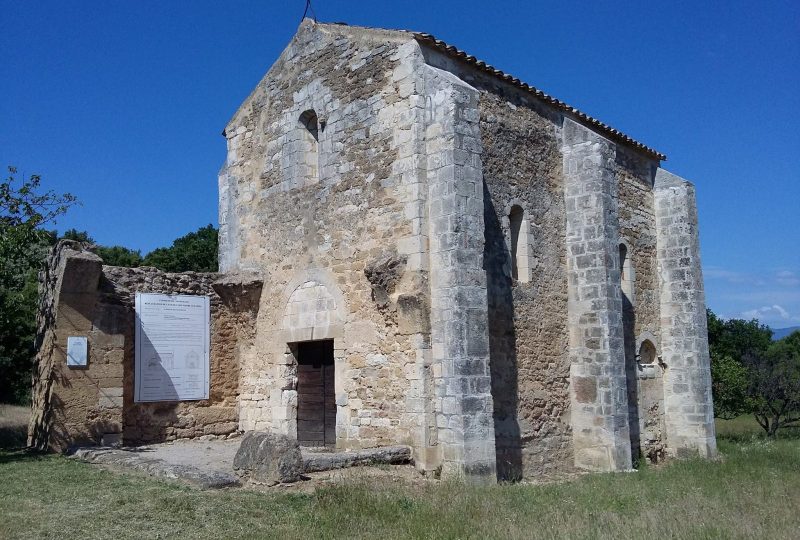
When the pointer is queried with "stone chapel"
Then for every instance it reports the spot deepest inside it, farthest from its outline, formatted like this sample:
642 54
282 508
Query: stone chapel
415 248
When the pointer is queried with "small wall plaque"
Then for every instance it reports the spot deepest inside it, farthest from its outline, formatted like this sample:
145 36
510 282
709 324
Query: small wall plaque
77 349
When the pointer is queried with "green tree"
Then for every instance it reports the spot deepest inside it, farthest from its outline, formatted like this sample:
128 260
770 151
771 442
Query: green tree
24 211
197 251
78 236
119 256
729 342
774 385
111 255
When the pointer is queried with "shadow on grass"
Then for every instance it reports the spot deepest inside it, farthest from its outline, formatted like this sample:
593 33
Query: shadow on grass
12 437
20 455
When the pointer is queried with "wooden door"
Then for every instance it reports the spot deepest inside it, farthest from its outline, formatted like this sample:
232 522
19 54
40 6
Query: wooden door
316 401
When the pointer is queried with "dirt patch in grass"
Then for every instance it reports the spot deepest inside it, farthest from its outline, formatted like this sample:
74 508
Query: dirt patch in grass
13 425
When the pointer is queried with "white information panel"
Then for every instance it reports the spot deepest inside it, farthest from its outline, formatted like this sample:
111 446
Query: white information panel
172 347
77 348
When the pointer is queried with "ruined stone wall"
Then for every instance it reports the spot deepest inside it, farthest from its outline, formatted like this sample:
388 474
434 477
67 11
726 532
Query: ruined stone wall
330 236
94 404
73 405
164 421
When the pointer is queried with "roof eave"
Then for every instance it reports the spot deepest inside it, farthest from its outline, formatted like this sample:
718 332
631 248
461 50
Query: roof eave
608 131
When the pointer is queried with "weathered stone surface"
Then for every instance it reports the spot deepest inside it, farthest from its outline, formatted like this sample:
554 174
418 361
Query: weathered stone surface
326 461
156 467
600 426
268 458
73 406
689 411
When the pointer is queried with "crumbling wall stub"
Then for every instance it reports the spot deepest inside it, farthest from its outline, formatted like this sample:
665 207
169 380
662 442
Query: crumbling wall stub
73 405
94 405
363 206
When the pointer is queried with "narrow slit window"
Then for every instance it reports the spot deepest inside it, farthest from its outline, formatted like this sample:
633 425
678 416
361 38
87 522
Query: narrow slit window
520 267
626 273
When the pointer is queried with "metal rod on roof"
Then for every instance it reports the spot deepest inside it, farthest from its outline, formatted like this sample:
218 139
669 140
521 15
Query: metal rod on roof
313 13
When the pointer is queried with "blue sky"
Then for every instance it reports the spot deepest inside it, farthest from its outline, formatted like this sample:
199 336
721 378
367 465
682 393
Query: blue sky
123 104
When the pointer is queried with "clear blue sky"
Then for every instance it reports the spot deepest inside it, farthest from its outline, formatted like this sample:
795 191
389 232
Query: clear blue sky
123 103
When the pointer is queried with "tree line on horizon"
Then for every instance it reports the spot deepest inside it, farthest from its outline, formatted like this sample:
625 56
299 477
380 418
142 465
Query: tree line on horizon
195 251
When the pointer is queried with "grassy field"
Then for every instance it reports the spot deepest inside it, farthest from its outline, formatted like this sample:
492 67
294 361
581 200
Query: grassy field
753 491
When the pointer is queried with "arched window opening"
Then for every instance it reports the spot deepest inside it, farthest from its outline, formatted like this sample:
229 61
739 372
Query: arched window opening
520 266
647 352
309 143
309 120
626 274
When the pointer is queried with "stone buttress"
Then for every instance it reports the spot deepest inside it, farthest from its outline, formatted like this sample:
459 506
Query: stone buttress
689 414
459 308
598 391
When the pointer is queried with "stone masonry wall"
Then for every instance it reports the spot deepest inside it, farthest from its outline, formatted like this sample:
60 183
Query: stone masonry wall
337 234
637 225
522 166
528 318
164 421
638 228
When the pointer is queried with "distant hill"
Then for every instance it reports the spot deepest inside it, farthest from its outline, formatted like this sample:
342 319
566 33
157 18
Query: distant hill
779 333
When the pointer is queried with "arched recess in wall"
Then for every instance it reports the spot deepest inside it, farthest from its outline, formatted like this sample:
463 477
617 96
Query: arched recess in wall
626 274
309 147
520 249
314 308
647 353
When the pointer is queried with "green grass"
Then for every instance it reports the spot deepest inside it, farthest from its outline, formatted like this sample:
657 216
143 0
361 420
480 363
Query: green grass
753 491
